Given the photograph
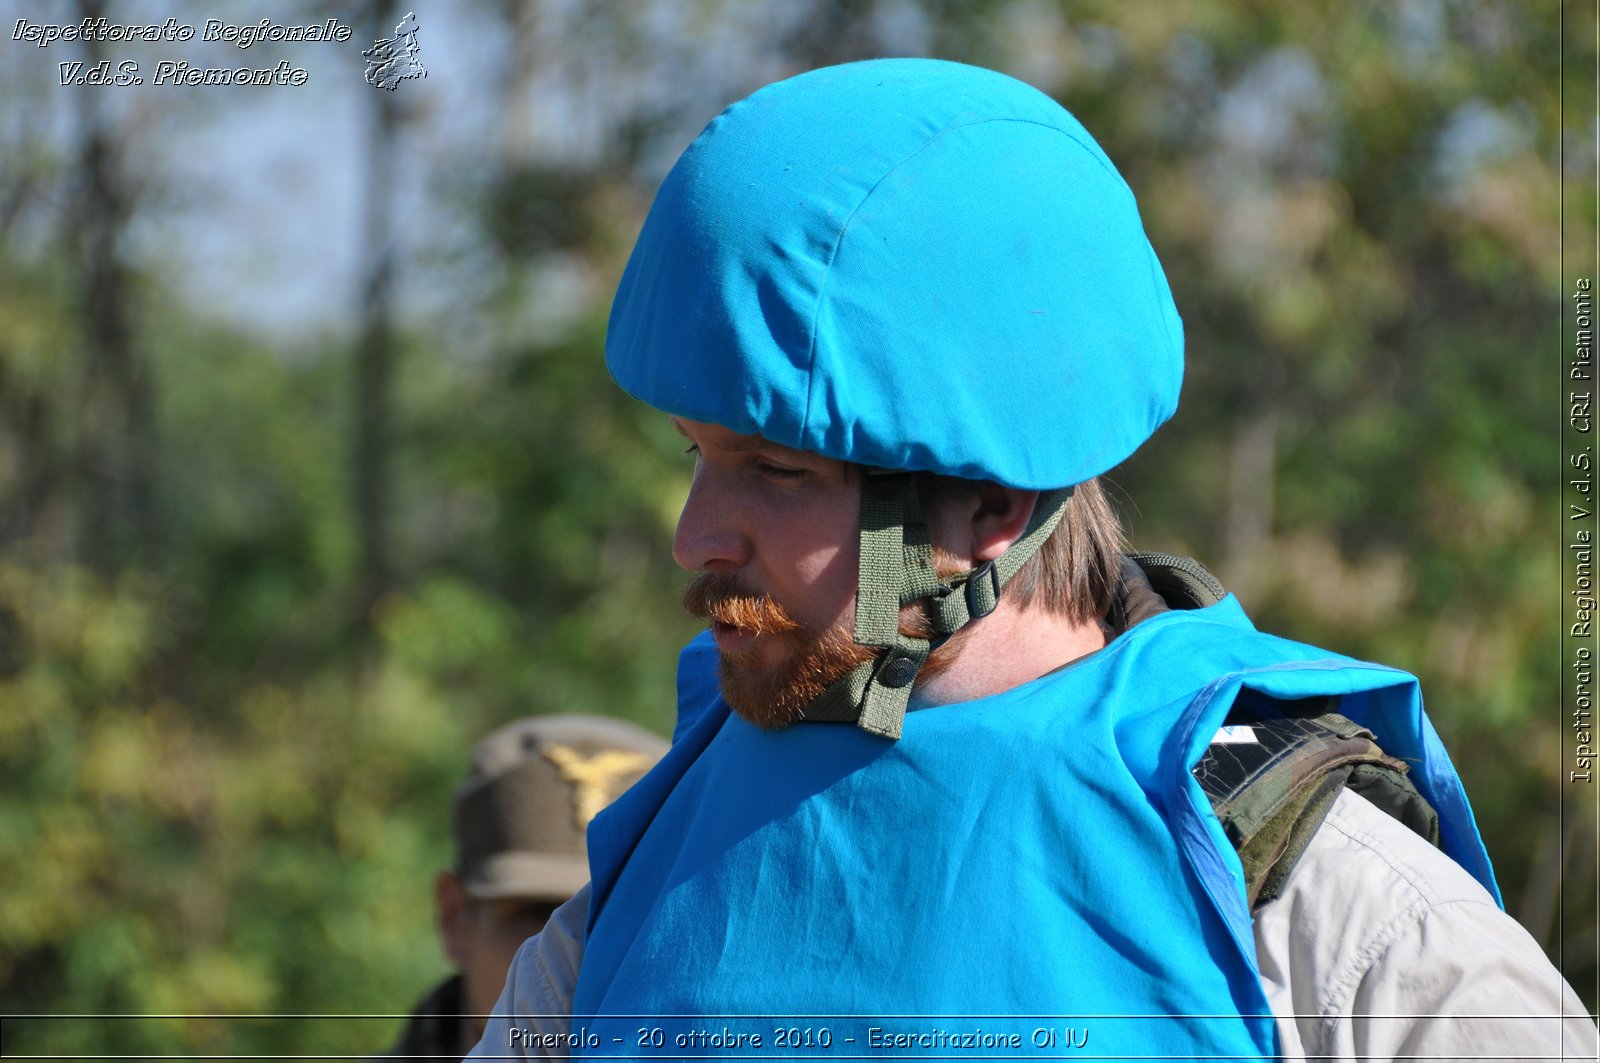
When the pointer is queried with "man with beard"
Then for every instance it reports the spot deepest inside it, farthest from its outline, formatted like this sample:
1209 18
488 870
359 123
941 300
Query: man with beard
933 782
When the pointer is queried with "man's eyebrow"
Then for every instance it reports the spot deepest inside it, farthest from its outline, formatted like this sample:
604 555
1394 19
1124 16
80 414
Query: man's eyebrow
739 444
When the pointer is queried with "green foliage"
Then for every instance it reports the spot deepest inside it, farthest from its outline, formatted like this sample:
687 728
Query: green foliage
226 794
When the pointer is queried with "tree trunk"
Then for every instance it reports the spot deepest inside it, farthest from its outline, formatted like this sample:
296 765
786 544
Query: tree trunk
117 446
374 368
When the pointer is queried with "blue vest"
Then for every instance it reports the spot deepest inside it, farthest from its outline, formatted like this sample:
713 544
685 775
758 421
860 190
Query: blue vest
1032 873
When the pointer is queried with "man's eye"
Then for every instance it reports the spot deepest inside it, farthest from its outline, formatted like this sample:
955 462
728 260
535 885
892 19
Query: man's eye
692 448
779 472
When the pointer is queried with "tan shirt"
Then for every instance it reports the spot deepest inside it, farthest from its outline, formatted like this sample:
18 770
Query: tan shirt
1379 947
1382 947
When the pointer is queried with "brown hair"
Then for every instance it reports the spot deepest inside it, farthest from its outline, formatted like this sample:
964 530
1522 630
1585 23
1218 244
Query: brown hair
1076 572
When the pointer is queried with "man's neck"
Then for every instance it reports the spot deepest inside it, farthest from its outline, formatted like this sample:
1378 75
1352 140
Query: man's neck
1009 647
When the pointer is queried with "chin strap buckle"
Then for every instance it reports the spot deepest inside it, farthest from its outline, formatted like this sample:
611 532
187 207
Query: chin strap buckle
982 591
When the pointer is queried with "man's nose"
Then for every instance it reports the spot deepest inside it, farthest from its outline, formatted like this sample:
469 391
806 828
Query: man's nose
709 536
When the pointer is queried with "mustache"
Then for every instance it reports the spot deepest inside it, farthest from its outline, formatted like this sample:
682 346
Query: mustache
722 599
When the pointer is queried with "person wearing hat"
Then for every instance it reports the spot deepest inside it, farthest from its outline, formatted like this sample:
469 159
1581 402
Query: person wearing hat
936 754
518 822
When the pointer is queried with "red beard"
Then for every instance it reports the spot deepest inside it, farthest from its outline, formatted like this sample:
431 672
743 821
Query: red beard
773 697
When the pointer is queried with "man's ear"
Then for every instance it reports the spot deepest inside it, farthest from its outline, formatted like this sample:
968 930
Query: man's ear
1000 519
450 908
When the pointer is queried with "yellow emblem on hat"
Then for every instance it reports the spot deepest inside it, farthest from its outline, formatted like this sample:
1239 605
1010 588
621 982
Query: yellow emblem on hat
593 778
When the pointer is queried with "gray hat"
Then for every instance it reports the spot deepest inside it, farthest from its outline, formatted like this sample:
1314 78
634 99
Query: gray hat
519 818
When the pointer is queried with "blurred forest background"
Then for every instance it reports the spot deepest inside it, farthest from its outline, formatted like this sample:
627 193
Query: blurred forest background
278 542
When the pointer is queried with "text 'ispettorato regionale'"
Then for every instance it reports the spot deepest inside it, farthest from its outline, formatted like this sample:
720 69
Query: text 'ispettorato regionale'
177 72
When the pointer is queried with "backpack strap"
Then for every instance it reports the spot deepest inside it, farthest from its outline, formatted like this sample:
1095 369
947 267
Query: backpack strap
1275 770
1182 582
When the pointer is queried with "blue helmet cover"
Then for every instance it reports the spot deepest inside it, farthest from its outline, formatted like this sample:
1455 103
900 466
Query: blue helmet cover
905 263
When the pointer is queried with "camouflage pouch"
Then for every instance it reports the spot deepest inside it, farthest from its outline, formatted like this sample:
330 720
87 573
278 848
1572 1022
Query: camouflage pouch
1276 771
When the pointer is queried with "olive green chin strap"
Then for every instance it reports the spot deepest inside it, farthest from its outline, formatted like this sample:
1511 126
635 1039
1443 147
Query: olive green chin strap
896 570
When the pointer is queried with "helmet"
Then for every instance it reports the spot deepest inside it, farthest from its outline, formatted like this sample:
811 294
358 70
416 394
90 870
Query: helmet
904 263
908 264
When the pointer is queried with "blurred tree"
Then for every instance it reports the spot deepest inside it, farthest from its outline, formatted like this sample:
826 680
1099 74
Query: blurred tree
374 354
116 420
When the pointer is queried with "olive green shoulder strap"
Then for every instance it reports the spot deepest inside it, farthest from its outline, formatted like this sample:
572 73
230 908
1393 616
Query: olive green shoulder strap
1182 582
